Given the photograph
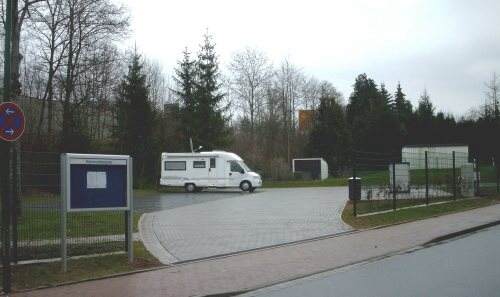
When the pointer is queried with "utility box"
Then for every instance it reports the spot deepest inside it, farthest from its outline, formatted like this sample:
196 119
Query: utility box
354 188
467 180
402 174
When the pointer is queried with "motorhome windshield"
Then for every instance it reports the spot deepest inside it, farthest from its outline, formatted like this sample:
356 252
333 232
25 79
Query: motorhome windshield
247 169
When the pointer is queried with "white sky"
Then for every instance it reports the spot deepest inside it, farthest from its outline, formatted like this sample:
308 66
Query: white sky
449 47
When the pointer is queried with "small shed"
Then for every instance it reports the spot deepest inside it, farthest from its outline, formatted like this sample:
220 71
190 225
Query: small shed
316 168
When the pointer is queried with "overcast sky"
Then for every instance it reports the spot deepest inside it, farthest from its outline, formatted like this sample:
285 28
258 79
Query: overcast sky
448 47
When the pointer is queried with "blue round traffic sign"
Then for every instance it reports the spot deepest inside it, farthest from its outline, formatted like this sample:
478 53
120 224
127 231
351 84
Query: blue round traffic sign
11 121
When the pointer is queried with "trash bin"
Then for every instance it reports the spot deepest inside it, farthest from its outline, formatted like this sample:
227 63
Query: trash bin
354 188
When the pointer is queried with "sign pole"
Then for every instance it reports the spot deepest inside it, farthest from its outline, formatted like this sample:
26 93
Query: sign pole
130 213
64 256
5 165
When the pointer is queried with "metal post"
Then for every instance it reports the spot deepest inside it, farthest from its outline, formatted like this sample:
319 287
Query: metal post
426 178
5 166
478 184
354 202
394 186
454 178
64 184
497 174
15 202
130 212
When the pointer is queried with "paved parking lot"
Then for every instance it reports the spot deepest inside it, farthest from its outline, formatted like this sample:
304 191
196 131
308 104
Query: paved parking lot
242 222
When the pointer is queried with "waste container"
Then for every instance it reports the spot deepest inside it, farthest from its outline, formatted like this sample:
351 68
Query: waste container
354 188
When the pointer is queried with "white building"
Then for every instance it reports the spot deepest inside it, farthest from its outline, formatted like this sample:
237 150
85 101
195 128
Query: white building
438 156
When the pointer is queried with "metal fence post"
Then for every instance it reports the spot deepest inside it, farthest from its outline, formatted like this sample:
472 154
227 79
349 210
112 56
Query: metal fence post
393 185
426 178
478 184
454 178
63 191
130 212
498 175
354 202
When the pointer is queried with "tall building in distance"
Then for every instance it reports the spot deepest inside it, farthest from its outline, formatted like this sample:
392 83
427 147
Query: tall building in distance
306 119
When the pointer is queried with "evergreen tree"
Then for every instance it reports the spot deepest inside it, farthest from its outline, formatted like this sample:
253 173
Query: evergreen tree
402 106
329 137
135 121
373 126
211 131
425 108
403 110
386 96
185 79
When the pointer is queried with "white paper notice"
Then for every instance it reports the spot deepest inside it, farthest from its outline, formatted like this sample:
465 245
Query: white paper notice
96 180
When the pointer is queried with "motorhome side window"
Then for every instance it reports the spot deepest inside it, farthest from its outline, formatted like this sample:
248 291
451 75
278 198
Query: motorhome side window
175 165
235 167
212 162
198 164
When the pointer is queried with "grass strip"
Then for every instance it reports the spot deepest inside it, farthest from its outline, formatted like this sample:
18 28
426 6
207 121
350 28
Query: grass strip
414 214
49 274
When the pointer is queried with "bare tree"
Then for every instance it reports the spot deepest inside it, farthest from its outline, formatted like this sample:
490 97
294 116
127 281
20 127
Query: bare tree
89 23
48 33
251 71
289 79
158 82
492 96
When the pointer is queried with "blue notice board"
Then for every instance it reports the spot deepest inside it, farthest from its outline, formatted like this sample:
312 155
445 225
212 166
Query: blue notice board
98 186
96 182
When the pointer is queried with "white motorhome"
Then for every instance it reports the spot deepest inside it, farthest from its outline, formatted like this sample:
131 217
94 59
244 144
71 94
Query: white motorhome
198 170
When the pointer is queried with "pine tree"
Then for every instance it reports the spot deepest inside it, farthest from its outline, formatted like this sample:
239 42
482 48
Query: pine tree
402 106
372 123
212 131
185 79
425 108
386 96
329 137
403 110
135 119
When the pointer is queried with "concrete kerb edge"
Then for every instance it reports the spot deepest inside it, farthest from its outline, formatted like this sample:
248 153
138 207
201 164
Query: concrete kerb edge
269 247
327 270
460 233
148 235
318 274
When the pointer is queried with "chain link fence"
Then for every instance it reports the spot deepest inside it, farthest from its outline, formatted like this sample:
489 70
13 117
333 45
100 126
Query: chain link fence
392 181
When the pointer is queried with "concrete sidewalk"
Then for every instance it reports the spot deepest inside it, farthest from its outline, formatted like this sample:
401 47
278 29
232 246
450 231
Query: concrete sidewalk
265 267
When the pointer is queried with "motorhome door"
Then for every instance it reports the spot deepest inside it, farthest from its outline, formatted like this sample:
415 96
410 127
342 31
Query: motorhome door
213 179
235 173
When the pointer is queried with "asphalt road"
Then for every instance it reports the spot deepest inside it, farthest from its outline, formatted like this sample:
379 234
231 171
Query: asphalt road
468 266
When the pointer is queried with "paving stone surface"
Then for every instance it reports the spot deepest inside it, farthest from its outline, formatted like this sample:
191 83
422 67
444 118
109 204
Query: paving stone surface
243 222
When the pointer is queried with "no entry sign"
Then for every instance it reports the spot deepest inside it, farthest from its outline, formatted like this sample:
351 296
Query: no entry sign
11 121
